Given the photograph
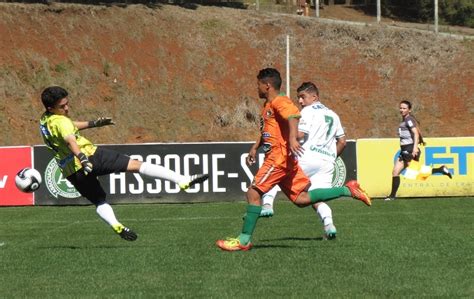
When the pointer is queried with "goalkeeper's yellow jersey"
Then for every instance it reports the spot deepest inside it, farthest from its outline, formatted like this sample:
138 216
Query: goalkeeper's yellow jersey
54 128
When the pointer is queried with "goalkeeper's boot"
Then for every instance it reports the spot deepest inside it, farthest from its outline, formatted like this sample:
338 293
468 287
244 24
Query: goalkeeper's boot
358 193
124 232
267 211
330 232
193 180
445 171
232 244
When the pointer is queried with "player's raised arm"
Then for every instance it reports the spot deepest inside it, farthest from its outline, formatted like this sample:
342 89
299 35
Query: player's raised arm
81 125
99 122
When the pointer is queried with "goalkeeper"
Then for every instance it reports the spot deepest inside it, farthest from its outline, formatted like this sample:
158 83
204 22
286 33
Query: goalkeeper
81 162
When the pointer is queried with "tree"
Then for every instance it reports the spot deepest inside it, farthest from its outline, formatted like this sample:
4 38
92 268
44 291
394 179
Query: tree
452 12
457 12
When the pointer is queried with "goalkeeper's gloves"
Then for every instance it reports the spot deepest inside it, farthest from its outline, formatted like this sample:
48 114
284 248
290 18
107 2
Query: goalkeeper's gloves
100 122
86 164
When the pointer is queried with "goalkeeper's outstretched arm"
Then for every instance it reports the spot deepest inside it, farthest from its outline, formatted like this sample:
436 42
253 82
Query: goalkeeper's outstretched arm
99 122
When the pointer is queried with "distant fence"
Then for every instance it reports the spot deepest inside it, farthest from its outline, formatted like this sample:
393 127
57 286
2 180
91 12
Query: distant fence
430 16
393 12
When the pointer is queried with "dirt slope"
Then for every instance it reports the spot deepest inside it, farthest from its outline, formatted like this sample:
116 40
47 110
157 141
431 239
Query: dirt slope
171 74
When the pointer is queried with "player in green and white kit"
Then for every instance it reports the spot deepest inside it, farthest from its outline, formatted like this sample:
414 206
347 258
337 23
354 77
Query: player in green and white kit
81 162
323 139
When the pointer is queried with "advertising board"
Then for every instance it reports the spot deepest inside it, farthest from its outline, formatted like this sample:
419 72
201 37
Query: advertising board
225 163
375 158
12 160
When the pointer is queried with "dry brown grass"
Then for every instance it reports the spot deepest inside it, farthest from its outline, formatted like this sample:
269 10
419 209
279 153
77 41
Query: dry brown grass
177 74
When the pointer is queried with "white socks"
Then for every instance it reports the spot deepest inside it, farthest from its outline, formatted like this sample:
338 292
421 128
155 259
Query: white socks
106 212
325 213
159 172
269 197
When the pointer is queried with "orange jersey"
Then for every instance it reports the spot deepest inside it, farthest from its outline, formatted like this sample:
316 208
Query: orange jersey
275 129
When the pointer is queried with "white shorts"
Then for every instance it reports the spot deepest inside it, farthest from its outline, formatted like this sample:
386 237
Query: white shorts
319 171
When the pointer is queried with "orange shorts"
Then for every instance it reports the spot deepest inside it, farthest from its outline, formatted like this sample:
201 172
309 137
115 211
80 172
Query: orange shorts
291 179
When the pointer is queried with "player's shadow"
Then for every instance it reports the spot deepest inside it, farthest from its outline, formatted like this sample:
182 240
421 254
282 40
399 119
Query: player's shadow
293 239
72 247
262 246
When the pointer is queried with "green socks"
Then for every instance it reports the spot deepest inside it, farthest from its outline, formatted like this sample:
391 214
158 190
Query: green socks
253 212
327 194
250 222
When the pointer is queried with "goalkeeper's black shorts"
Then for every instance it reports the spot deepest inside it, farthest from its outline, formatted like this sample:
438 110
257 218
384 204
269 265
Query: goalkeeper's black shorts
104 161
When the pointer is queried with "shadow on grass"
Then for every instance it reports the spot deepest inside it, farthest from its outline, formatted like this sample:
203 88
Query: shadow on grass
272 246
294 239
71 247
263 246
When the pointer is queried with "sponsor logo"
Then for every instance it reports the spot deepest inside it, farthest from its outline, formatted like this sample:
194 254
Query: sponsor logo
267 147
321 151
44 130
56 184
265 135
340 173
3 181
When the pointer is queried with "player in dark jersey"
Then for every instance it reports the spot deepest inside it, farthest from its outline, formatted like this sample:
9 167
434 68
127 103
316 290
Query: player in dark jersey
410 138
81 161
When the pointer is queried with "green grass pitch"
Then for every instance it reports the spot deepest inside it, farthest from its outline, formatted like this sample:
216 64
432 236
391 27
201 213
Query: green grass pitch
405 248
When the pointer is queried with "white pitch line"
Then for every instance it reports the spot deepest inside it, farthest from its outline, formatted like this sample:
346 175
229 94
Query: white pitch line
129 219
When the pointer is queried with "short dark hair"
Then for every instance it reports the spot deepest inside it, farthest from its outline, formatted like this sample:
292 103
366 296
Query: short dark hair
406 103
308 86
51 95
270 76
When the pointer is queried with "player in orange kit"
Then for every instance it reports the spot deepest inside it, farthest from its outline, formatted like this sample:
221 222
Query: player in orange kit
279 139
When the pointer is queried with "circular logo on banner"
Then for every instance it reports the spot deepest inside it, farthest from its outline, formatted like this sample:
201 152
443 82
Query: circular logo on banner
339 176
57 184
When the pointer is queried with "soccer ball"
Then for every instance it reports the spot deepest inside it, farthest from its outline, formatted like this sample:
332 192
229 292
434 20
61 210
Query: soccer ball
28 180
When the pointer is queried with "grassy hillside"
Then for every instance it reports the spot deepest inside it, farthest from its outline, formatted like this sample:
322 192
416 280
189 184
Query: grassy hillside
169 73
